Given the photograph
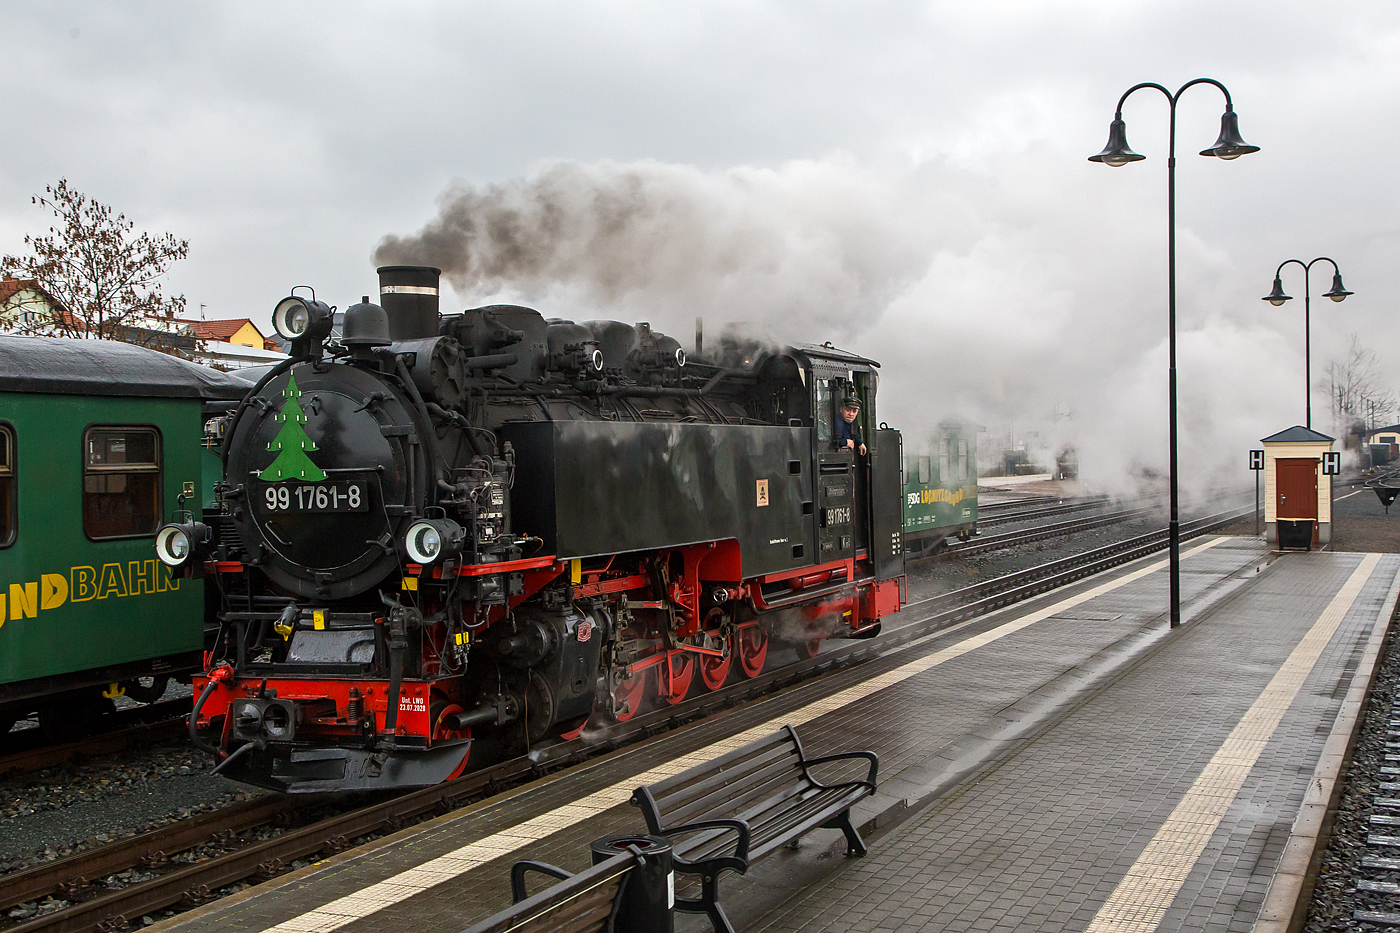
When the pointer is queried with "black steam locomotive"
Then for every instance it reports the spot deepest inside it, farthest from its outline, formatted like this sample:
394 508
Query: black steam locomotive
446 537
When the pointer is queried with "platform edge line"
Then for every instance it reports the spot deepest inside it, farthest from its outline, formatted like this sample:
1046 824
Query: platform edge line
1285 902
1146 891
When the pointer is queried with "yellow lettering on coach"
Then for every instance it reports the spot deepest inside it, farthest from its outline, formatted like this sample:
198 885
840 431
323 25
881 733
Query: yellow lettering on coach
84 584
53 590
141 575
112 582
24 601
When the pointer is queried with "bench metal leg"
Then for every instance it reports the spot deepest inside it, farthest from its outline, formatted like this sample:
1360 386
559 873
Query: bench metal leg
855 846
707 903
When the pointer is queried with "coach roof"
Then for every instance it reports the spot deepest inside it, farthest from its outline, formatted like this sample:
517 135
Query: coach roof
65 366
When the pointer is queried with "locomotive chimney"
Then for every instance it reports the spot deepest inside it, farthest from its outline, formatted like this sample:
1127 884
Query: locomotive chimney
409 295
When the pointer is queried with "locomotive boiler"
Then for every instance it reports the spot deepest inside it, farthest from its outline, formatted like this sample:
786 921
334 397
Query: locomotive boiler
445 538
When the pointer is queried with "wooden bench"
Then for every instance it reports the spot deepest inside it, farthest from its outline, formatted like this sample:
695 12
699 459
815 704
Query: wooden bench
729 813
583 903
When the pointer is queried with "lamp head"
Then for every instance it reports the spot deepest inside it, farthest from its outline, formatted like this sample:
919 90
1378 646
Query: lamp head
1339 291
1115 151
1277 297
182 545
305 322
1229 145
430 540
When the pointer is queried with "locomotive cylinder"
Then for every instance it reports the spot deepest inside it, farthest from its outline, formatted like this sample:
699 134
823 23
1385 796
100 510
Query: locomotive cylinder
409 295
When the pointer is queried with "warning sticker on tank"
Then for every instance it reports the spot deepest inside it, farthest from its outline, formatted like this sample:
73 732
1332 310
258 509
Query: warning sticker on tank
762 492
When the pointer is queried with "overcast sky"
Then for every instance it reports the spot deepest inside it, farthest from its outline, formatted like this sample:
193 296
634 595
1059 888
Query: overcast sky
906 179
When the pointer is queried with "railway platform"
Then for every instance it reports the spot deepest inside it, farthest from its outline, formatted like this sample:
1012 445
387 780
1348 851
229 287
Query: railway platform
1068 763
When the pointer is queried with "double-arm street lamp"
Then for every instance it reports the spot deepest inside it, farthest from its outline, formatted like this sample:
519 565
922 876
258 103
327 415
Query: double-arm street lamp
1277 298
1116 153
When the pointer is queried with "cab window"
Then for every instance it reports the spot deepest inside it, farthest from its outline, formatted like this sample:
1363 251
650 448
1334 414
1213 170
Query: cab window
121 482
8 490
829 394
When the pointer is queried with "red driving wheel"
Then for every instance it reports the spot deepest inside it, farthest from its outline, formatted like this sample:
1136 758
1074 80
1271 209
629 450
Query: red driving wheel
677 674
630 693
714 671
812 646
753 649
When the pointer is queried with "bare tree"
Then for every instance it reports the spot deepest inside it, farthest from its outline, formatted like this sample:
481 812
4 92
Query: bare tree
1356 390
103 275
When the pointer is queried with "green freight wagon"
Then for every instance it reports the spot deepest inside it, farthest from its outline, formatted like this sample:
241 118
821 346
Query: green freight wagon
940 489
98 441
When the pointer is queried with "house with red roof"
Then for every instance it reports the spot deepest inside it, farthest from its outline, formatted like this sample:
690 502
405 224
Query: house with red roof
25 306
239 330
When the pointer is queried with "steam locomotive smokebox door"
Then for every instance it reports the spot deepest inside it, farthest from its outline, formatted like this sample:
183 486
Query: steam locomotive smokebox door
599 487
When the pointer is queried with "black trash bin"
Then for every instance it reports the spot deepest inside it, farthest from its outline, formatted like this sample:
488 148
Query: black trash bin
1295 533
649 900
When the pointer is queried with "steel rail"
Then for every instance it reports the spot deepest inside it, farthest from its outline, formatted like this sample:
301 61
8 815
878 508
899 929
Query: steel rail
49 756
78 870
1012 504
1078 505
264 859
1058 529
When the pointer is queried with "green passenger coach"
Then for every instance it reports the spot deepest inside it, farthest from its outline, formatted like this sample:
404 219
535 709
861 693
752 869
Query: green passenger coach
940 490
98 441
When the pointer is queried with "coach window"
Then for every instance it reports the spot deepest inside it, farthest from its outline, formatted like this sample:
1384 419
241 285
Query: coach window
121 482
8 505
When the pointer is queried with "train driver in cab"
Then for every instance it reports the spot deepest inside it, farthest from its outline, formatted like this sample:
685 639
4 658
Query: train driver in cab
847 431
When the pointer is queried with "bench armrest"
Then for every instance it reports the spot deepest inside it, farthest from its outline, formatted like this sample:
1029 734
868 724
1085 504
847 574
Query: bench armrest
741 849
517 877
870 778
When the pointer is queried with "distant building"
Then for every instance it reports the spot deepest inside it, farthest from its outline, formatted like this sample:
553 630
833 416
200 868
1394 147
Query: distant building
237 330
25 306
232 344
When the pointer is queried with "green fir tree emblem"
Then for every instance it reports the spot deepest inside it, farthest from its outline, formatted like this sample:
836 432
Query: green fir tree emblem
291 443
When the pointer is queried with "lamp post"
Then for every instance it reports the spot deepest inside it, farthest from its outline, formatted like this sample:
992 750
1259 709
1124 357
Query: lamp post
1277 298
1228 146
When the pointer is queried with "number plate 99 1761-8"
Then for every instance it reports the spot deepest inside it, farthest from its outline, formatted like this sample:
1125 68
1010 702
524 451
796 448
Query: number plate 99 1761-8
341 496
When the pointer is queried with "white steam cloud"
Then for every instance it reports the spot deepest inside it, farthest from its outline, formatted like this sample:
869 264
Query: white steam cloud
986 300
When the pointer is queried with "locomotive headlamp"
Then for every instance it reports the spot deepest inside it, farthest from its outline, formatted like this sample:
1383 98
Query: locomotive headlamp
178 543
432 539
297 318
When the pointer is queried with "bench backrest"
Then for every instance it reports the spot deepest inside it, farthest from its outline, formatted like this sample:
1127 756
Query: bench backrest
583 903
729 785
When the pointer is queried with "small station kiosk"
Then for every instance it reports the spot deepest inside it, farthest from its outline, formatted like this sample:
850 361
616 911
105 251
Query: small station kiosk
1297 489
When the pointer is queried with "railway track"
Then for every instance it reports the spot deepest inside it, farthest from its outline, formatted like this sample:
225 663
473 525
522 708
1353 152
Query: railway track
1011 505
1039 533
1006 516
133 728
189 885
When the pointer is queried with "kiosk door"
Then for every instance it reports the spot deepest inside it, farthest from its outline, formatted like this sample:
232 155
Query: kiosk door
1296 482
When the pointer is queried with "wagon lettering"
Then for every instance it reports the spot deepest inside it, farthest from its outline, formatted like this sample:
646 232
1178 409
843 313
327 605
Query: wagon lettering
84 580
113 583
53 590
24 600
